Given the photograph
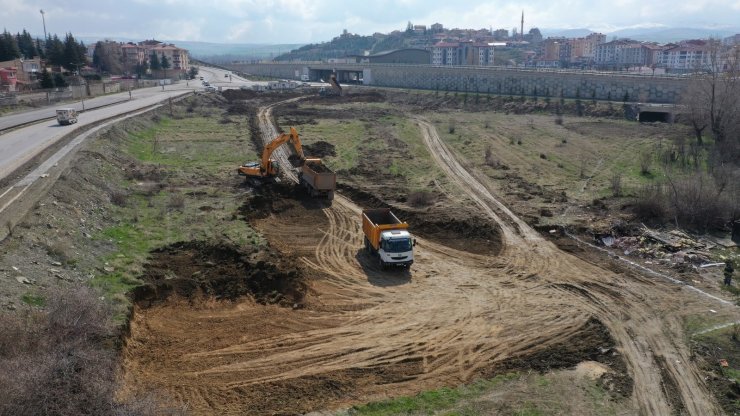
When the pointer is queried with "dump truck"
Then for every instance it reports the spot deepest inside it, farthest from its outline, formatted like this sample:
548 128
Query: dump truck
66 116
387 238
317 178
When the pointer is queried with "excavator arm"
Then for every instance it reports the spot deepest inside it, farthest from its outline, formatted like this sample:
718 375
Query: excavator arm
265 168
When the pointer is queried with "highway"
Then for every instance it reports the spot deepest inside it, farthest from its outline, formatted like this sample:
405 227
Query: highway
21 145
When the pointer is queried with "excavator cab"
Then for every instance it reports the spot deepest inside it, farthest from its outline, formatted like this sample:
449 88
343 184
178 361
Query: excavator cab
268 168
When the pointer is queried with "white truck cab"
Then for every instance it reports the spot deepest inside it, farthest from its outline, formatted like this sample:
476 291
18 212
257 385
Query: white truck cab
66 116
396 248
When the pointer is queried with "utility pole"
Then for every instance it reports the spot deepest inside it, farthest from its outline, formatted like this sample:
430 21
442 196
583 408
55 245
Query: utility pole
44 21
79 82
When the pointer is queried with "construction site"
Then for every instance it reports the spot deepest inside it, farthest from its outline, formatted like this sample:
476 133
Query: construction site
380 251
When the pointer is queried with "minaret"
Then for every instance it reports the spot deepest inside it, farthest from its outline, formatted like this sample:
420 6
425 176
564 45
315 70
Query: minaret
521 32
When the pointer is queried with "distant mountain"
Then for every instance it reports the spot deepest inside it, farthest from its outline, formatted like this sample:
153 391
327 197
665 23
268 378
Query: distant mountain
651 34
202 50
244 50
667 35
566 33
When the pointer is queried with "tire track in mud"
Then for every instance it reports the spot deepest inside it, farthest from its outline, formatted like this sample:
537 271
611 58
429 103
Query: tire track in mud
647 336
451 315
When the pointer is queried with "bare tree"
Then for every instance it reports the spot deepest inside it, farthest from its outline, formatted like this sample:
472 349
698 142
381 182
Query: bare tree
713 97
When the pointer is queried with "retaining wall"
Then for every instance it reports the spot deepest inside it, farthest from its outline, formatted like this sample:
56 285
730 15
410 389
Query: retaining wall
573 84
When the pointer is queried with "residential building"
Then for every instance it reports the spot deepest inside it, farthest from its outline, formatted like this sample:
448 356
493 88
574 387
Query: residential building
445 53
436 27
27 70
177 57
132 55
8 79
463 53
550 49
687 56
621 52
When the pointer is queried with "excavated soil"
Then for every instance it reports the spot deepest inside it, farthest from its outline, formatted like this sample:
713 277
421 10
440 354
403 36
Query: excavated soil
195 270
319 149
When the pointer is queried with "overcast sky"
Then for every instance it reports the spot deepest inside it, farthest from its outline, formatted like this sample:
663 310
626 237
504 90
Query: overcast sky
304 21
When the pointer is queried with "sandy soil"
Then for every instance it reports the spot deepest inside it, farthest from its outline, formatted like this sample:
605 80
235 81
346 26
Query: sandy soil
362 333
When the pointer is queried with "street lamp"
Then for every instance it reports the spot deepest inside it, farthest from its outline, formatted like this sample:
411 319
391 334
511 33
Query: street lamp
79 82
44 21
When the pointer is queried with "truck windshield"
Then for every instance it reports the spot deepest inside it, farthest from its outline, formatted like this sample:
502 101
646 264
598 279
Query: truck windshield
397 245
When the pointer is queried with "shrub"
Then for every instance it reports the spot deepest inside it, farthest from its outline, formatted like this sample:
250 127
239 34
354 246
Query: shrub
650 204
451 127
616 184
118 198
62 361
177 201
421 198
60 250
646 159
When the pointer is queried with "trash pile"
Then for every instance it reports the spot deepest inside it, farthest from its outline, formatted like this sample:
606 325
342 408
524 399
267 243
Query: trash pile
672 248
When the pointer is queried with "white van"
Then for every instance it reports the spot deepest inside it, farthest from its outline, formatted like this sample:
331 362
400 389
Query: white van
66 116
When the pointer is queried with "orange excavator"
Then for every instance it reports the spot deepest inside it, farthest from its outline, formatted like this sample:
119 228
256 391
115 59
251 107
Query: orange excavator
268 168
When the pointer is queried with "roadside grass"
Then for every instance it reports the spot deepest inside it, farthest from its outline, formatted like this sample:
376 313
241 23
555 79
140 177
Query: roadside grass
522 394
194 197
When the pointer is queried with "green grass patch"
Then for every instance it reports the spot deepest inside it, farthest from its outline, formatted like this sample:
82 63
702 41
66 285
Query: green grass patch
33 299
431 402
195 197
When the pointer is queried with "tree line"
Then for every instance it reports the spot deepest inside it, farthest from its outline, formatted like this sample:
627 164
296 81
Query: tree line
68 52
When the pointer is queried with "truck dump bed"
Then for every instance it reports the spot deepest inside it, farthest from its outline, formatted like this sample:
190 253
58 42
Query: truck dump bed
319 176
377 220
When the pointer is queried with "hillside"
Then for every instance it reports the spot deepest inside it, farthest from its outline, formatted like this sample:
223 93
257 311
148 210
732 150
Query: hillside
349 44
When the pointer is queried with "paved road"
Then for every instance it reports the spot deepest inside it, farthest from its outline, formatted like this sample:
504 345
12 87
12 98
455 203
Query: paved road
15 119
19 146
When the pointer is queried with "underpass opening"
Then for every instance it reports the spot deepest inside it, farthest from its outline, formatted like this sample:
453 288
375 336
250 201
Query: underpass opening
655 116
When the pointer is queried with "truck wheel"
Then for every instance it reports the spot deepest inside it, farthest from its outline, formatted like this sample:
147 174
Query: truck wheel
330 196
381 263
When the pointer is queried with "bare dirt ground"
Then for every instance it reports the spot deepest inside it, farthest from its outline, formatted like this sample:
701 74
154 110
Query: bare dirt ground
360 333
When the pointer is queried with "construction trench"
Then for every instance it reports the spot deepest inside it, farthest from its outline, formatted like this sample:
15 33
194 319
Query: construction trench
312 323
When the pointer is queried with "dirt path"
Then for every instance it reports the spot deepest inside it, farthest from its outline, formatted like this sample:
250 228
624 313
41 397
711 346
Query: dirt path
635 310
368 334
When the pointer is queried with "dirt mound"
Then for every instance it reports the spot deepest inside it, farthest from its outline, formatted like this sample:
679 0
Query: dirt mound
233 95
319 149
193 269
453 228
276 198
351 97
591 343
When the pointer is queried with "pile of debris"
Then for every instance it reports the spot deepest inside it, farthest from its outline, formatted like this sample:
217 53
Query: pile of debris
673 248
